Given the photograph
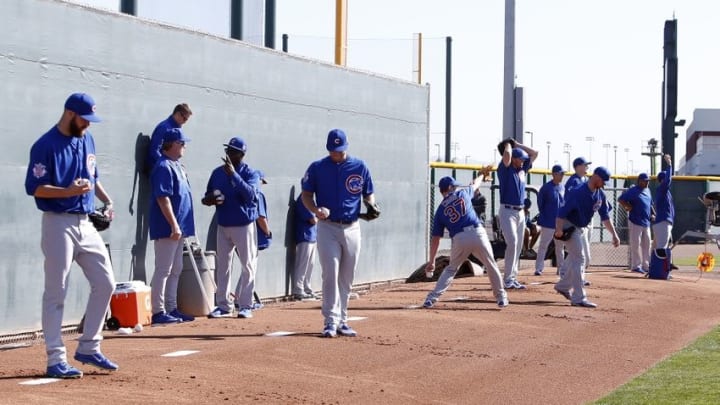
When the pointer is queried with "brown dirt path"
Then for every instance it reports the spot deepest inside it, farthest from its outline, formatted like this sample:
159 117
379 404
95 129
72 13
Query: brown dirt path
539 350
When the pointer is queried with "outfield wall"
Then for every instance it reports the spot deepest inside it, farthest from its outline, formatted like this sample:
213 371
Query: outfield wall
137 70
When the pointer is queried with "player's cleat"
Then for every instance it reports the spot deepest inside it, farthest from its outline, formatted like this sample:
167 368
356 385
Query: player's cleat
503 302
245 313
587 283
538 273
346 330
563 293
329 331
514 285
638 270
585 304
257 305
429 302
164 318
219 313
181 316
63 370
97 360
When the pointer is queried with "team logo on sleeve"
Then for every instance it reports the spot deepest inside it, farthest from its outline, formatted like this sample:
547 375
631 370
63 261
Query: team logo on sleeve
91 165
39 170
354 184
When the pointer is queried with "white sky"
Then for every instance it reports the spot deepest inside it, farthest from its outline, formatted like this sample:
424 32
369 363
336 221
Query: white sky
589 68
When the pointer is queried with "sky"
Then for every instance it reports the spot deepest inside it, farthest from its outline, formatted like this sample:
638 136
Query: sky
591 70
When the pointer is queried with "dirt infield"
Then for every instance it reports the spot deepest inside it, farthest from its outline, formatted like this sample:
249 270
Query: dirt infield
466 350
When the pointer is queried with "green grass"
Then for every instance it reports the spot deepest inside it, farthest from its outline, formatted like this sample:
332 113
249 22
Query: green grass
685 261
691 376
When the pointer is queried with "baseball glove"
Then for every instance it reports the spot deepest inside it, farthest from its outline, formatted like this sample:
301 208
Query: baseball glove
567 233
373 211
100 219
501 145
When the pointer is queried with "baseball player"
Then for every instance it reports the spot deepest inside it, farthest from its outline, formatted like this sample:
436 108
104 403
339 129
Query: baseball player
576 211
580 165
171 221
511 174
179 117
332 189
468 237
62 176
637 201
549 199
232 189
664 207
305 251
264 234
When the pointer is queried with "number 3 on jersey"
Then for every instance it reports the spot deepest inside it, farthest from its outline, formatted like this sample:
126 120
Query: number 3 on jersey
455 210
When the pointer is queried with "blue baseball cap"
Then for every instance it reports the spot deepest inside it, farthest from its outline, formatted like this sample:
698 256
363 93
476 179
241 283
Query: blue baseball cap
446 182
519 153
558 169
237 144
337 141
83 105
643 176
580 161
175 135
602 172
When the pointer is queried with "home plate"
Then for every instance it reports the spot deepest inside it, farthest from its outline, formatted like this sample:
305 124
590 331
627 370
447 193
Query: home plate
356 318
179 353
40 381
280 333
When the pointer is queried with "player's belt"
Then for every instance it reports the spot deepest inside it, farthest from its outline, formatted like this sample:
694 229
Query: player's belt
471 228
513 207
343 221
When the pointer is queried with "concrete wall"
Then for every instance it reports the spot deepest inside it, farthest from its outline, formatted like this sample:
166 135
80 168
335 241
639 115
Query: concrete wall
283 106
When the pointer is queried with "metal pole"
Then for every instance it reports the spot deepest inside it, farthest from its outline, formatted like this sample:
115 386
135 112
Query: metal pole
341 32
548 154
285 43
236 7
128 7
270 24
448 96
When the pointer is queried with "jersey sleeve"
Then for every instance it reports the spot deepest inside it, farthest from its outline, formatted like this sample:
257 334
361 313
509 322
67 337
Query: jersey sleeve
39 171
162 180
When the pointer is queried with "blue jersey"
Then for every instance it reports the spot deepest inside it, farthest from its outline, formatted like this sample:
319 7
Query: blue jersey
339 186
664 206
549 199
641 200
512 183
574 181
156 140
168 179
263 240
305 231
57 160
455 213
581 203
240 190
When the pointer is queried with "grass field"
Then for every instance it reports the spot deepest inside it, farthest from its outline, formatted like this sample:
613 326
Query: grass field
691 376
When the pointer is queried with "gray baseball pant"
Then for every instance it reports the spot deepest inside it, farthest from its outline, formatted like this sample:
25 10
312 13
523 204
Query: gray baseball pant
168 266
305 253
639 246
64 238
470 241
512 224
572 275
338 248
546 236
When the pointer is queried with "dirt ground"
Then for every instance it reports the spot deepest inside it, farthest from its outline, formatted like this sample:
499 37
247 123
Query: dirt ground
466 350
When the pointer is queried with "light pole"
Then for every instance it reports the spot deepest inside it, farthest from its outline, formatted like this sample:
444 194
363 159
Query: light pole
531 137
606 146
466 158
566 149
627 160
438 154
615 164
590 140
548 154
454 154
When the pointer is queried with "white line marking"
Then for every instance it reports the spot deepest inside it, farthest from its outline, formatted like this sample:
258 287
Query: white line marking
413 306
180 353
40 381
461 298
356 318
280 333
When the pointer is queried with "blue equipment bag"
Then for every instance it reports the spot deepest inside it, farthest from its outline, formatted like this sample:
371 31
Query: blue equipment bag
660 264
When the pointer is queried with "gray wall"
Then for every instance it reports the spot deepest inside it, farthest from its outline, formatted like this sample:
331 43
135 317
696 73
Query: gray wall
283 106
